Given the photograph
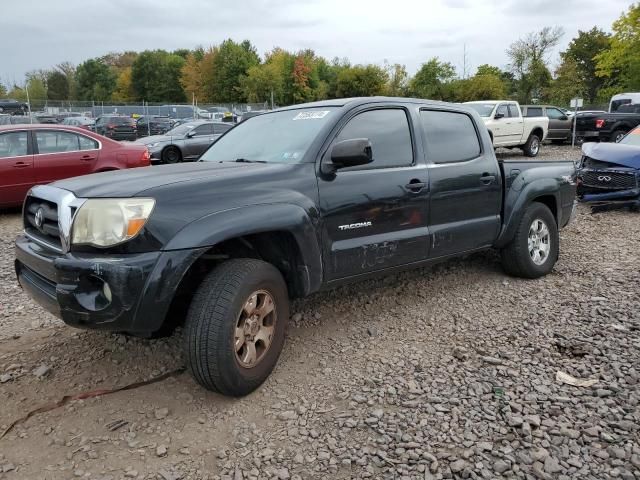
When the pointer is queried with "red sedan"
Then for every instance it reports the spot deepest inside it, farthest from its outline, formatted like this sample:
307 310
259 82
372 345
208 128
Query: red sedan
34 154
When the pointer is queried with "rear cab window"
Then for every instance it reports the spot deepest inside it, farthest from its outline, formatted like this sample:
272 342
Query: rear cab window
449 136
533 112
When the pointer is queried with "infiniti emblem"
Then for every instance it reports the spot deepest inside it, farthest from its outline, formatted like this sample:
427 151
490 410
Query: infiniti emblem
604 178
39 218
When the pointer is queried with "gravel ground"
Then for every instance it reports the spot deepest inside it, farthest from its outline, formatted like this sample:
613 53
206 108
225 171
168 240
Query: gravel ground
450 372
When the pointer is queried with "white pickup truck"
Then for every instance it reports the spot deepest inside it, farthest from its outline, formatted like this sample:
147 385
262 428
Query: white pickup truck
508 128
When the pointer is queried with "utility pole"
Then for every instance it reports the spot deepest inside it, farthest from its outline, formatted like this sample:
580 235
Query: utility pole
26 89
271 99
464 61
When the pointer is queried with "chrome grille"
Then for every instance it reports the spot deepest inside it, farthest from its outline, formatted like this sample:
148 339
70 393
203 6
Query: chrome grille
47 228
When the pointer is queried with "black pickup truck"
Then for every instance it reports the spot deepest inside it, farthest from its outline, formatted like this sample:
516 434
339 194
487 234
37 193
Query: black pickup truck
607 127
285 204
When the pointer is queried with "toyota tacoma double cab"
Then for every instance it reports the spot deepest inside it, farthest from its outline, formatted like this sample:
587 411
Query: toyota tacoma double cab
285 204
509 128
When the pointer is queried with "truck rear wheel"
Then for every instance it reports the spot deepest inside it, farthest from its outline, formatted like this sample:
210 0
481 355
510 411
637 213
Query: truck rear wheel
534 249
617 135
532 147
235 326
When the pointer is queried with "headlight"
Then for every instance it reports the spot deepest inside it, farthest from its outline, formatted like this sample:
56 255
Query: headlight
109 221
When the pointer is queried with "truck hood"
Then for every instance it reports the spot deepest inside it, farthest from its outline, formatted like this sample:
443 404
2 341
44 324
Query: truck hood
139 181
623 155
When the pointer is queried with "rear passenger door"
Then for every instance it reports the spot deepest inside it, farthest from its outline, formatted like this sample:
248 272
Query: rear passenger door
375 216
62 154
465 183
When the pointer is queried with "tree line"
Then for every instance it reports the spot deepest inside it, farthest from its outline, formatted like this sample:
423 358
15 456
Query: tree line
594 66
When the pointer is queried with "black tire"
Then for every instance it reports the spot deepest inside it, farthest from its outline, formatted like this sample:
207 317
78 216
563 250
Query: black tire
211 325
516 258
532 147
617 135
171 155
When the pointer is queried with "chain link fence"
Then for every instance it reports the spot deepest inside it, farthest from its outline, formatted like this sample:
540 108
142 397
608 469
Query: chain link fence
176 110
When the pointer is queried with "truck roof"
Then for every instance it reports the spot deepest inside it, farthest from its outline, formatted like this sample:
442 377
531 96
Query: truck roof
355 101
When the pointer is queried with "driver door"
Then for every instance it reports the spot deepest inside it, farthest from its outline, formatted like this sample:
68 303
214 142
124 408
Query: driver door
374 216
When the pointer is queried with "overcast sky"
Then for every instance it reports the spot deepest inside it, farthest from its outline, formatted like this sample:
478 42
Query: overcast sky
42 33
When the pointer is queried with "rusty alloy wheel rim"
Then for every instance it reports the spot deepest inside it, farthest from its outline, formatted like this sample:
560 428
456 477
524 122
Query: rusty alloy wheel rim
255 329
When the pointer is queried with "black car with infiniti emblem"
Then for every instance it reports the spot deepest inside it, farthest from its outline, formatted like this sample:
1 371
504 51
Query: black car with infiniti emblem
285 204
610 172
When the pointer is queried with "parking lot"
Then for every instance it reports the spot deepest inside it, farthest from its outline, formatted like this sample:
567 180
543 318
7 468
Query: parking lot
426 374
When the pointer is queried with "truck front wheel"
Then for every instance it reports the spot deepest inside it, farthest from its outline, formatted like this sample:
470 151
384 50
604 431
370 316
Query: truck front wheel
235 326
532 147
534 249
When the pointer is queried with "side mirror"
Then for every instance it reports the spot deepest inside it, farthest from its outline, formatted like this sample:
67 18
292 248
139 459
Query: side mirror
498 116
350 153
564 117
190 134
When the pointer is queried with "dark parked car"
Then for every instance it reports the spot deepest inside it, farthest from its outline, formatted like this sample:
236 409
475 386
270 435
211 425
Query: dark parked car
283 205
611 171
43 117
153 125
608 127
13 107
116 127
560 124
38 154
185 142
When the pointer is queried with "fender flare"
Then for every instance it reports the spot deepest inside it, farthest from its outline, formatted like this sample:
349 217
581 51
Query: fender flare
520 196
196 238
213 229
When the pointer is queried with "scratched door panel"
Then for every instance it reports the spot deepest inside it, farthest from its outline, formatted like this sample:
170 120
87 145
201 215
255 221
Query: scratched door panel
371 221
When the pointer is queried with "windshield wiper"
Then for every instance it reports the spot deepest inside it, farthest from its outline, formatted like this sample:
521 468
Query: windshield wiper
244 160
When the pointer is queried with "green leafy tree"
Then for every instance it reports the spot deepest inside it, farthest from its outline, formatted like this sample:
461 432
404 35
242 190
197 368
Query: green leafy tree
95 80
434 80
361 81
569 83
37 86
580 58
230 63
529 58
17 93
124 89
3 91
155 76
57 86
483 86
620 63
69 71
398 83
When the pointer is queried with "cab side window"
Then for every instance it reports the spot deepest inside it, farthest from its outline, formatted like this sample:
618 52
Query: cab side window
503 109
388 131
449 136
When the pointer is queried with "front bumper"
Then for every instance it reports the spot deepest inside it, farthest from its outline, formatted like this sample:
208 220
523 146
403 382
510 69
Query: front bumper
130 293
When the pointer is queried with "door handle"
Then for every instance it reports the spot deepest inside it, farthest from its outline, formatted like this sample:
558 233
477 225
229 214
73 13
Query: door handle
415 185
487 179
87 158
20 165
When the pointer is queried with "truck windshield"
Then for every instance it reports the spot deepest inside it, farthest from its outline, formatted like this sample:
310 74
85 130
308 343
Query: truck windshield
483 109
278 137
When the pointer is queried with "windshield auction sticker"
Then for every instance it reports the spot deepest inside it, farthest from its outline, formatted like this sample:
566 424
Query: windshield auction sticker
314 115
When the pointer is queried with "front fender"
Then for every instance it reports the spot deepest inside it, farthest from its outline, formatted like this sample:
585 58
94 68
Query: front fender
520 195
215 228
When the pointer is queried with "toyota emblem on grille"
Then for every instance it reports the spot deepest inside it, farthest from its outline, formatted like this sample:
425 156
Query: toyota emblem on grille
604 178
39 218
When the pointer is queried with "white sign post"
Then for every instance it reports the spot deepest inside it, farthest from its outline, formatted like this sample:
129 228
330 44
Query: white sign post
576 103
